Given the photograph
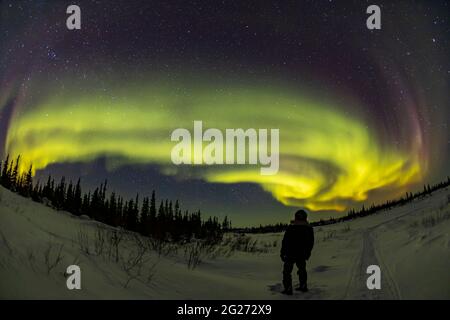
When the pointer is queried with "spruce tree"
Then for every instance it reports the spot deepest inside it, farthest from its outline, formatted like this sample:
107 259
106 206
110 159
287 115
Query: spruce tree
112 209
144 221
5 180
15 174
28 184
152 213
77 200
69 203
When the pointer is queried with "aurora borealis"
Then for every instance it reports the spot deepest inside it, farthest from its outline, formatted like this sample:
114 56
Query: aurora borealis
363 116
331 152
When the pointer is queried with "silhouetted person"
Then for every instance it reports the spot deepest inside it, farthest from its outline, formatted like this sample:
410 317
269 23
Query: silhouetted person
296 247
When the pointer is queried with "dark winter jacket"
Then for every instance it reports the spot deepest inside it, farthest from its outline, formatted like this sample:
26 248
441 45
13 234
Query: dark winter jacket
298 241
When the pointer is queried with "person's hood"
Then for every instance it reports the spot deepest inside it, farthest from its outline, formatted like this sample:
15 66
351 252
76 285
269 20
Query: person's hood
299 223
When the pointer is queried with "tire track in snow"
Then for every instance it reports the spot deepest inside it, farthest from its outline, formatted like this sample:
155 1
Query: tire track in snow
370 254
357 287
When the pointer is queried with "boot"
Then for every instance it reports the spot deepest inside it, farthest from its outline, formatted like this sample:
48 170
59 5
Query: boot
302 288
287 291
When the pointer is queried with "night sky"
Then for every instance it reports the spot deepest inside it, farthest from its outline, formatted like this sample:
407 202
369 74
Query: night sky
363 114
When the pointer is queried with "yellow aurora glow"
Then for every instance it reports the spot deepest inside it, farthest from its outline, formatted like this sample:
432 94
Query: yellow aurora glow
328 159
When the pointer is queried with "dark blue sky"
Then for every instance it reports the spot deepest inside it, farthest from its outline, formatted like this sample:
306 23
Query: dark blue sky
397 76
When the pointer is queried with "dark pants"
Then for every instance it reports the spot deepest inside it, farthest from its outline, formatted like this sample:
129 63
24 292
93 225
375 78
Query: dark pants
287 270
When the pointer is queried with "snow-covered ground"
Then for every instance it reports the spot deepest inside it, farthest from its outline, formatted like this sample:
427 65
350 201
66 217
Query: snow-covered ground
409 243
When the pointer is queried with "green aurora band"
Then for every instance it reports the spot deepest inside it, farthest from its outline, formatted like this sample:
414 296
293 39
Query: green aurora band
328 158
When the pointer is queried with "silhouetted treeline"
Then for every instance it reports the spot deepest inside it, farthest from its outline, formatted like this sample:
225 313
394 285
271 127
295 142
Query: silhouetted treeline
390 204
269 228
352 214
164 220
